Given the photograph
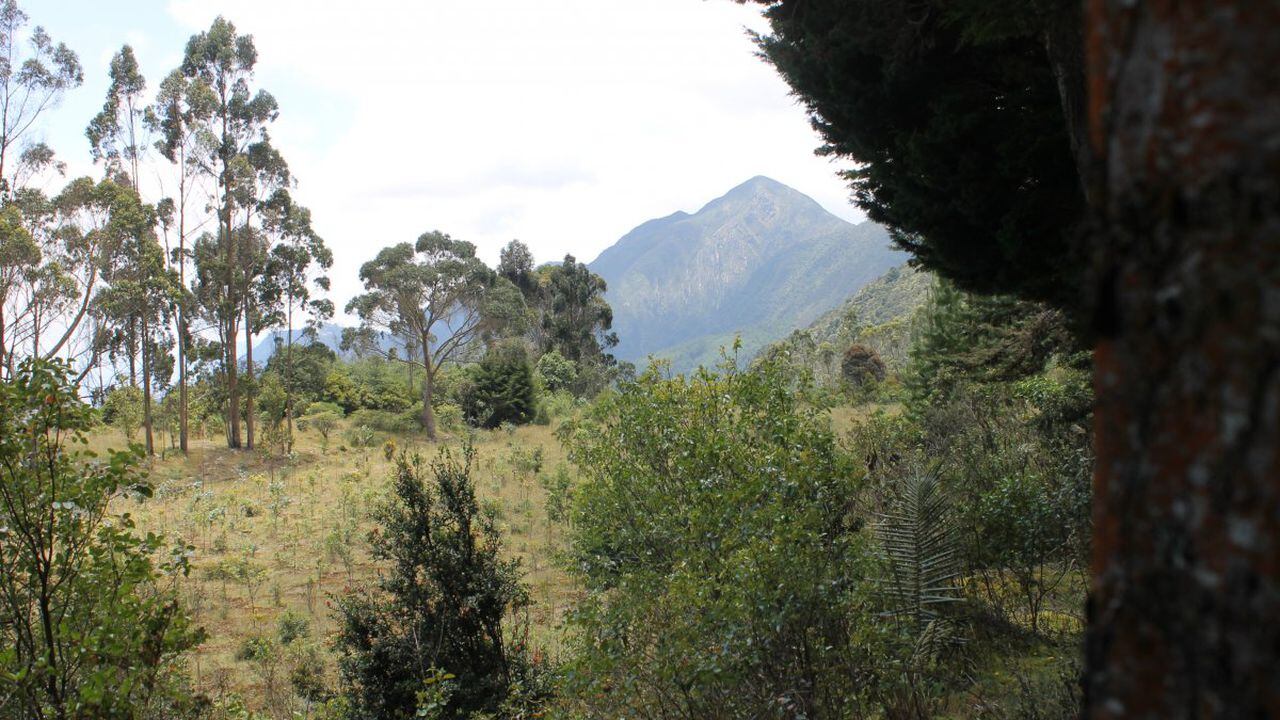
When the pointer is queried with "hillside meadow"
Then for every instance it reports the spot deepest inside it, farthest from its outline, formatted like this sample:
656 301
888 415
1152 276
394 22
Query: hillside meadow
274 537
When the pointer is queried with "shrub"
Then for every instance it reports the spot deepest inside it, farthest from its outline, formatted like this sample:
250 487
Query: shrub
556 372
123 409
359 436
323 422
503 391
716 535
101 639
442 603
292 626
385 421
449 416
321 406
861 366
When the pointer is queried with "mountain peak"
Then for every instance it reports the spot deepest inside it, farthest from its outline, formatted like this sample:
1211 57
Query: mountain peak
763 187
760 260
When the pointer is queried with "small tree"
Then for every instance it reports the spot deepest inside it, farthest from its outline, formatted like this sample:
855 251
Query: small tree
861 366
324 422
439 606
502 391
557 371
90 622
438 292
123 409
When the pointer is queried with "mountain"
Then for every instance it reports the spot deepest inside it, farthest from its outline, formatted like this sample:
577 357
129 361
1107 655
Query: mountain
327 334
758 262
881 316
892 297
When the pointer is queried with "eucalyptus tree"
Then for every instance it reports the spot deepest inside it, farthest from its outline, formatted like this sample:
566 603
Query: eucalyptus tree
438 292
296 264
116 134
182 140
141 290
261 175
18 253
218 65
59 251
32 80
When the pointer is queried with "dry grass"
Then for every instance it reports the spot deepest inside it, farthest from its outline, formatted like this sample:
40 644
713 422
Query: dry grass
272 535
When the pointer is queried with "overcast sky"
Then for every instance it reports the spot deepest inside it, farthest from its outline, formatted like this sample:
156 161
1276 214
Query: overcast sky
564 123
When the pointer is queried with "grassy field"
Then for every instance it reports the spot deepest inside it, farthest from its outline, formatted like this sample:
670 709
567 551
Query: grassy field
275 535
279 538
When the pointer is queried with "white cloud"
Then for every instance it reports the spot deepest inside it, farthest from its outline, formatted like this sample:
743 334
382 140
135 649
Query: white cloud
562 123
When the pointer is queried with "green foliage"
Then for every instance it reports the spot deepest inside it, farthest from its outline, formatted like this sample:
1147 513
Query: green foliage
716 536
92 625
386 422
577 320
555 372
964 338
441 605
308 375
953 115
123 409
919 541
323 422
324 406
878 317
417 289
502 389
292 627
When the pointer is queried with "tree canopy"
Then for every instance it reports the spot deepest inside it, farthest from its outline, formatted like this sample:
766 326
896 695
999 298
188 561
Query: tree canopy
954 115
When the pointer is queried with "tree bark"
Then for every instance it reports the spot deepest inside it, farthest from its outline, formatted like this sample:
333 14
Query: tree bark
231 364
248 373
146 391
1185 122
428 390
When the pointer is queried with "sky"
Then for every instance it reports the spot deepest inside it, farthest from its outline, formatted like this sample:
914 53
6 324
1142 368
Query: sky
563 123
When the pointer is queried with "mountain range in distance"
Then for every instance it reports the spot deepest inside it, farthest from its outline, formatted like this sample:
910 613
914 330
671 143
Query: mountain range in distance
756 263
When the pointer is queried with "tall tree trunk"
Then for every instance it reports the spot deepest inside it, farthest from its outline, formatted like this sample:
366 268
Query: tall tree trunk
183 330
2 345
1185 121
146 391
131 340
248 374
428 390
288 384
182 372
230 362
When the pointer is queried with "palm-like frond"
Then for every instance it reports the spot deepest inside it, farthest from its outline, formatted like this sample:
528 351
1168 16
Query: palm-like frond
918 539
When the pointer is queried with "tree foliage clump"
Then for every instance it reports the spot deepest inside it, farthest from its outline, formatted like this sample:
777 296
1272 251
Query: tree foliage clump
861 365
440 610
90 623
716 535
501 389
954 112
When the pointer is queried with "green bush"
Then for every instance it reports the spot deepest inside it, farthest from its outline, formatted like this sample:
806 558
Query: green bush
123 410
385 421
555 372
443 605
503 389
92 625
716 534
449 416
321 406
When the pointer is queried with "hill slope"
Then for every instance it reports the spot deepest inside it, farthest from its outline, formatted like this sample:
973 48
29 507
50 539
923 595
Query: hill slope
759 261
